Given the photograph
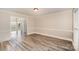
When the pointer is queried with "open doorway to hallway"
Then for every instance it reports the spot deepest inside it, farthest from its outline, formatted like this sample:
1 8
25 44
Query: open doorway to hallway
16 27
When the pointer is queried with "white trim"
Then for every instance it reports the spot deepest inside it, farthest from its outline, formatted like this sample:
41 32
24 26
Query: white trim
76 49
63 38
30 33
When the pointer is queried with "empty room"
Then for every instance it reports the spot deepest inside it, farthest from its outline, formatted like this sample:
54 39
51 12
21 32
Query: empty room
39 29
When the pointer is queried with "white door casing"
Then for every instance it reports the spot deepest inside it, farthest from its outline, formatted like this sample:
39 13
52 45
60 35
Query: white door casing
76 29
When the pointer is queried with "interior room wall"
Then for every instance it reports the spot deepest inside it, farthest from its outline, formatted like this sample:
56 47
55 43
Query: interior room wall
58 24
30 25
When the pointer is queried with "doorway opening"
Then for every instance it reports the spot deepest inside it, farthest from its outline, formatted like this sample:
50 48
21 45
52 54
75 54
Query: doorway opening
17 27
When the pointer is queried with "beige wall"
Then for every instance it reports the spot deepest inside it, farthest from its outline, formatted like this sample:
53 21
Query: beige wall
30 25
57 24
4 26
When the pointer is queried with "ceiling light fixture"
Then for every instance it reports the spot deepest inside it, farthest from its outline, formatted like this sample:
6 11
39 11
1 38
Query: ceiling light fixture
35 9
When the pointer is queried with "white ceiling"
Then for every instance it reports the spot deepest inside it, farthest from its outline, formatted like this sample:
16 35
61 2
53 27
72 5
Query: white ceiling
29 11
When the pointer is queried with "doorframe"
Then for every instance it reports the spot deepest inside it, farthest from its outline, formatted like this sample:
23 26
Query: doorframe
73 11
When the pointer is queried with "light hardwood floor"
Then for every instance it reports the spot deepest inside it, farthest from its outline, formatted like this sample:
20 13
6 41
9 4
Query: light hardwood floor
36 42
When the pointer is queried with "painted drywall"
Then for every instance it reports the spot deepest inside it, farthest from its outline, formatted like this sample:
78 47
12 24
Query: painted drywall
30 25
58 24
5 17
4 26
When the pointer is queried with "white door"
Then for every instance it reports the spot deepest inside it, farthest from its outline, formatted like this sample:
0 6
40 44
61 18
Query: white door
76 28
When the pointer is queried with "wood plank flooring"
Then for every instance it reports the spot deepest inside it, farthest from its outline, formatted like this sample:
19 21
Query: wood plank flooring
36 42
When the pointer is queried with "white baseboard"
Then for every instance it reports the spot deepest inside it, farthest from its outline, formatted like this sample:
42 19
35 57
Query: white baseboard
30 33
75 46
64 38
